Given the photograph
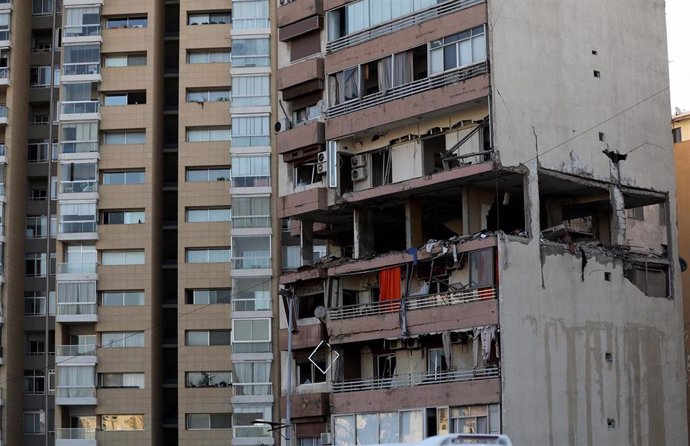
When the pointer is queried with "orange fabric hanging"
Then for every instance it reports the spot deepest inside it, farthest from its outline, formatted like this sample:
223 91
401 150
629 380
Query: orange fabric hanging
390 284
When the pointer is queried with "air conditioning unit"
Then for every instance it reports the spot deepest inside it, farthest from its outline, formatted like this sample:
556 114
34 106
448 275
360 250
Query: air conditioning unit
322 157
403 344
325 436
322 168
282 125
396 344
358 161
359 174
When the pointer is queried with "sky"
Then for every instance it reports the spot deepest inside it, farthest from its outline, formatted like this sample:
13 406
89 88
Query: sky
678 24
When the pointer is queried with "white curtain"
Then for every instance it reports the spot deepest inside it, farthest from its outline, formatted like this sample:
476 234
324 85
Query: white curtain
402 68
385 74
76 376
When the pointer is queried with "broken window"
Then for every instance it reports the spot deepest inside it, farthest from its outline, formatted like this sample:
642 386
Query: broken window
651 280
381 167
385 366
307 305
482 265
636 213
306 173
308 373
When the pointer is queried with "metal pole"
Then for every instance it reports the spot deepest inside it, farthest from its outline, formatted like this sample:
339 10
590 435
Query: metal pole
288 405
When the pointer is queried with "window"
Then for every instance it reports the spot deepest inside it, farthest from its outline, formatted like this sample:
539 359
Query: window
197 175
124 217
123 257
251 171
309 441
251 14
76 381
124 177
210 95
76 298
208 56
243 421
252 52
122 422
250 131
206 338
251 212
210 296
5 26
207 215
251 252
250 91
34 382
121 380
35 303
209 18
39 76
127 98
122 339
34 422
475 419
37 226
35 264
77 218
436 362
122 298
80 60
42 7
206 421
375 428
82 22
124 60
208 379
251 335
677 135
125 137
80 259
252 378
206 134
636 213
306 114
307 373
458 50
79 137
126 22
251 294
208 255
482 268
78 177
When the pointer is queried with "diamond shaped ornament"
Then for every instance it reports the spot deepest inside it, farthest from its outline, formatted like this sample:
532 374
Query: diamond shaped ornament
326 345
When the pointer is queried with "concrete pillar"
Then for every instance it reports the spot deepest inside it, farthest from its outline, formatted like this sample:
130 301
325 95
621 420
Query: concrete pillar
413 222
363 233
465 211
618 215
306 242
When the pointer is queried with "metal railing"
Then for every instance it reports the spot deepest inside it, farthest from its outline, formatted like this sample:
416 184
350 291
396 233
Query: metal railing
415 379
395 25
251 304
251 262
81 68
76 309
77 227
76 392
76 350
250 431
412 303
74 187
42 48
68 268
76 433
418 86
246 389
82 30
75 107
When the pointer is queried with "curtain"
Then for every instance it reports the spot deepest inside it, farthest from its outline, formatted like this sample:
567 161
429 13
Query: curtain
390 284
402 68
384 69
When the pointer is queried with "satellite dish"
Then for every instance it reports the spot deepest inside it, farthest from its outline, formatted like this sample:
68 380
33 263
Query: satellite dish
320 312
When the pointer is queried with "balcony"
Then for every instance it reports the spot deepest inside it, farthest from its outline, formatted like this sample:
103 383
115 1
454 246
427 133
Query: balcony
78 187
82 2
75 437
303 136
84 71
5 5
4 76
77 271
82 33
3 154
422 85
79 150
5 38
79 110
415 379
301 78
76 312
76 396
295 10
392 26
77 230
3 115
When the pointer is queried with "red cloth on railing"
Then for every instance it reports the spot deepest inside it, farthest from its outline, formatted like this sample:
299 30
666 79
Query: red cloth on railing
390 287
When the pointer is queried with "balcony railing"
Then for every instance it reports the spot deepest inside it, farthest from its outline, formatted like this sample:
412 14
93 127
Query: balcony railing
3 150
251 262
82 68
77 227
415 379
81 433
79 147
3 111
76 309
42 48
411 303
398 24
4 72
418 86
76 392
69 268
251 304
83 30
75 187
246 389
250 432
78 107
76 350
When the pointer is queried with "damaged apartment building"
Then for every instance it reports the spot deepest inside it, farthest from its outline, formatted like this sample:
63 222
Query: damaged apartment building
478 202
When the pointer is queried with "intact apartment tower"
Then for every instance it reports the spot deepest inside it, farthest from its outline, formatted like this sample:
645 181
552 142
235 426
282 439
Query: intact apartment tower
136 306
494 183
681 139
